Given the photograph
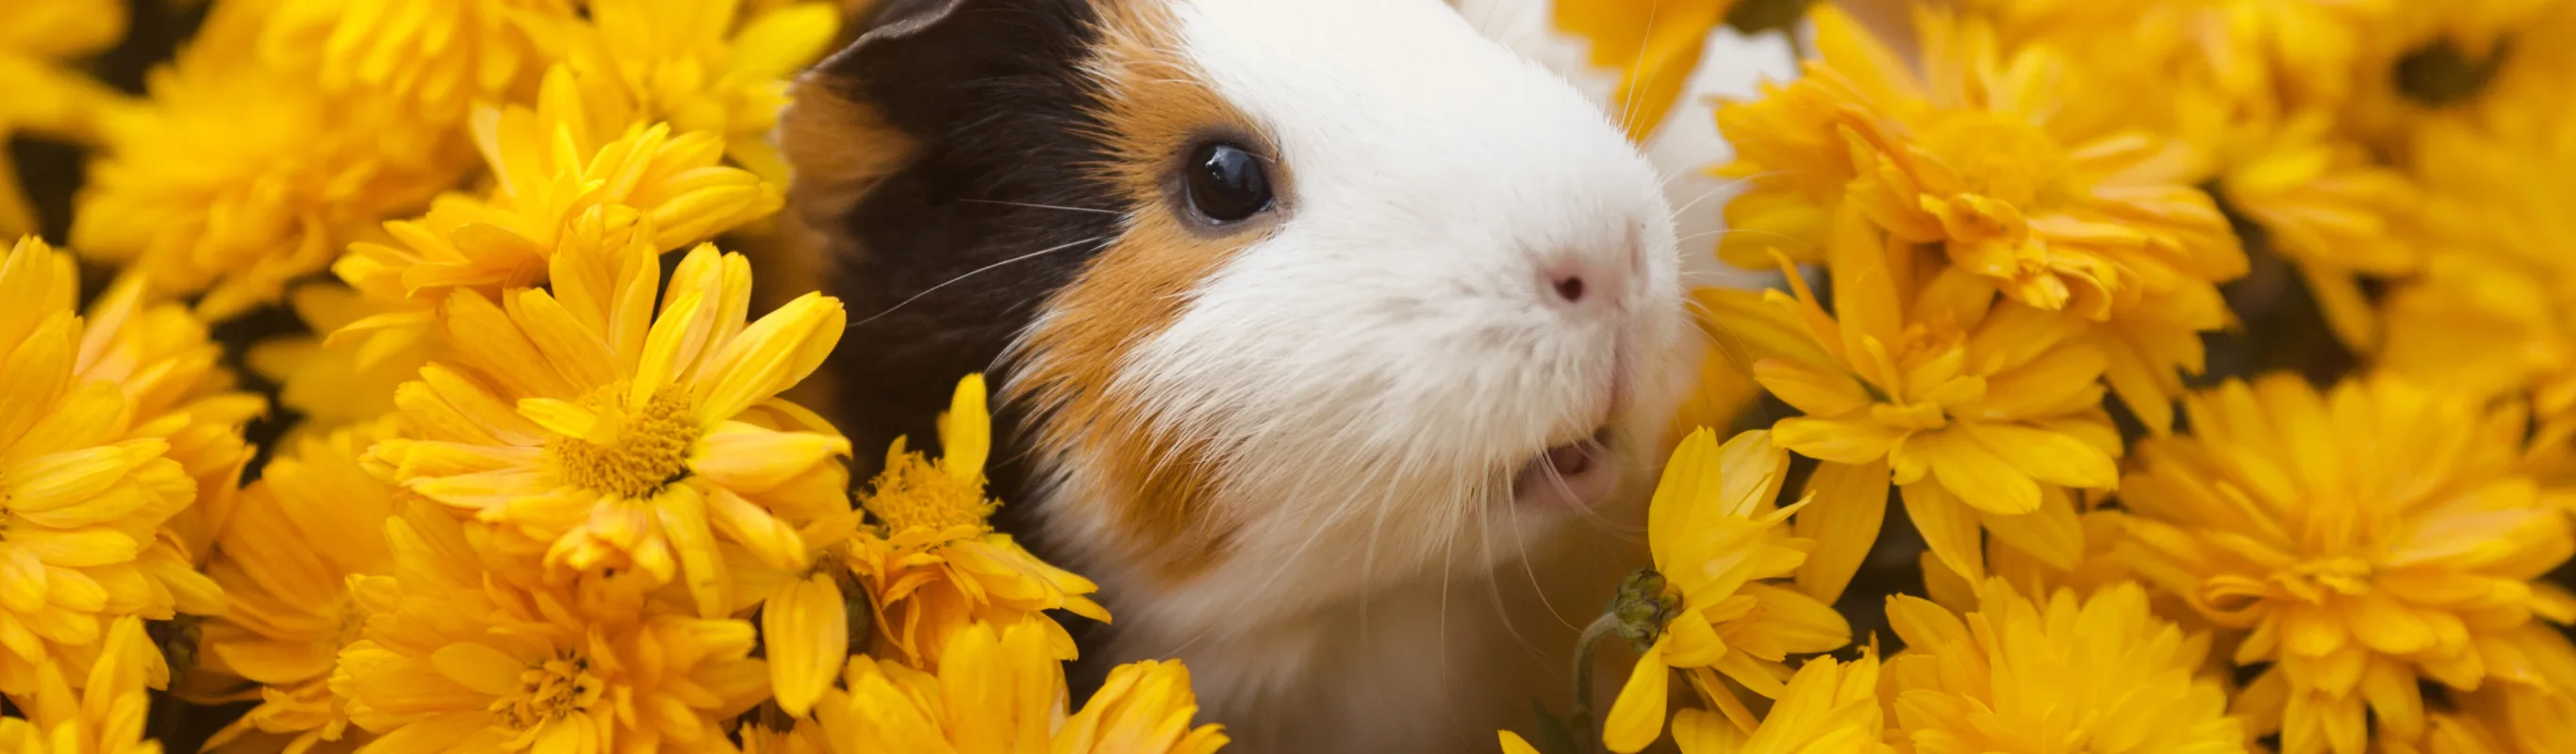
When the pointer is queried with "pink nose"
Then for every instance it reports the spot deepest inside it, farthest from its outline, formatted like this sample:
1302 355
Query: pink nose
1591 281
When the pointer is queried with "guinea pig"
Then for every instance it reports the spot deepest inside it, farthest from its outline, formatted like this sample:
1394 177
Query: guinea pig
1333 339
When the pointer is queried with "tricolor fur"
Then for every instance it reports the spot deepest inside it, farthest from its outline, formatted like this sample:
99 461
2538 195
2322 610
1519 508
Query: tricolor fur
1286 448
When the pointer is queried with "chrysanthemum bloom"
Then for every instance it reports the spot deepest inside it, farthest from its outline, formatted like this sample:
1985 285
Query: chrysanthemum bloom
2060 674
178 390
2260 52
615 438
569 163
82 497
237 176
1829 708
312 523
1714 531
704 66
435 56
2319 200
106 714
2102 228
2365 539
455 659
2428 64
927 561
1654 44
1001 689
1985 411
47 97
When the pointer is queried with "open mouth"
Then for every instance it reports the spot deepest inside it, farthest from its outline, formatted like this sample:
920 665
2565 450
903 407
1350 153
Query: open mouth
1573 476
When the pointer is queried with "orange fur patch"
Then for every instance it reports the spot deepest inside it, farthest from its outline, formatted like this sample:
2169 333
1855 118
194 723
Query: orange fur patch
1155 105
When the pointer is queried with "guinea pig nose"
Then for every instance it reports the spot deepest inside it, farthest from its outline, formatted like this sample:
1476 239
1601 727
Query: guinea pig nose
1570 288
1585 282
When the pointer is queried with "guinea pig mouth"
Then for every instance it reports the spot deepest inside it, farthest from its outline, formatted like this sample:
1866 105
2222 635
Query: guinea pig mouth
1573 476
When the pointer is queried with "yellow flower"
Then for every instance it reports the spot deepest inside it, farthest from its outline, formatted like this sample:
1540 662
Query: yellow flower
238 176
82 496
1713 529
178 391
1984 411
106 715
1001 689
2105 228
558 167
2323 203
339 376
434 56
48 98
456 659
2365 538
2260 53
1654 44
2440 64
312 523
929 565
689 63
1829 708
2060 674
579 421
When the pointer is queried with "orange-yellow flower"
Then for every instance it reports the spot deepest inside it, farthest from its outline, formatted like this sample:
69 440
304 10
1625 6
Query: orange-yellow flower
1654 44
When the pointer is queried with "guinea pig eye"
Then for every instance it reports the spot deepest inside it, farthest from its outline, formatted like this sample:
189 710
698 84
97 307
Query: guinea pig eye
1226 183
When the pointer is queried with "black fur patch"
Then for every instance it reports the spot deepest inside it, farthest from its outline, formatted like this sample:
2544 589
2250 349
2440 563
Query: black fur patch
949 259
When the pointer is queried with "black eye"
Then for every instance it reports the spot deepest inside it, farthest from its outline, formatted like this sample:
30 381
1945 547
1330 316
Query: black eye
1226 183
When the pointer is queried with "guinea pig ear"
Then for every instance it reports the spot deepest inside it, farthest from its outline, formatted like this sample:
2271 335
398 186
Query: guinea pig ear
890 21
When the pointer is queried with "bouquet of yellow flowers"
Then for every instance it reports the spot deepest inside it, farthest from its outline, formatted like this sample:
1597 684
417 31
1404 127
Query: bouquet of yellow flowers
393 389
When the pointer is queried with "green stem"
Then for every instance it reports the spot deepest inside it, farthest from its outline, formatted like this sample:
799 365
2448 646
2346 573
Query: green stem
1601 628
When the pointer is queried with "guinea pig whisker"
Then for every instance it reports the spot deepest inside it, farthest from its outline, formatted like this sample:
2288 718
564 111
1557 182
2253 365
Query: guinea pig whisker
972 273
1040 206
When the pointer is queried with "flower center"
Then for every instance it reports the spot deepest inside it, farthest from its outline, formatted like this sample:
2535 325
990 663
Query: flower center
548 691
650 450
2440 74
2001 157
913 493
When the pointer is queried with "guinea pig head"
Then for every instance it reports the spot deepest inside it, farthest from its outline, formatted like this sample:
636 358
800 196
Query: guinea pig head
1290 300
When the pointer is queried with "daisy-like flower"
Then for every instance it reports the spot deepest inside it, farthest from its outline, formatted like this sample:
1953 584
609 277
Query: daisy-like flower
1985 411
1654 45
1714 531
616 438
2322 202
455 659
2262 54
1000 689
47 97
82 497
1829 708
2106 229
170 368
704 66
312 524
2364 539
236 176
567 163
436 56
929 565
2056 674
106 714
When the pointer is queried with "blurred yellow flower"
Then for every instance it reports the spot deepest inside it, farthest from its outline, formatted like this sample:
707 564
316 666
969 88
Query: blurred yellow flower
581 421
82 496
1654 44
106 715
433 57
1713 528
2322 202
2262 54
1829 708
453 658
238 176
928 563
2059 674
1001 689
1984 411
48 98
305 532
178 391
2367 537
561 165
2106 228
339 375
704 66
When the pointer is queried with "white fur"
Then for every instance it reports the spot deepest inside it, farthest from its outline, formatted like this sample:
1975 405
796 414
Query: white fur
1375 369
